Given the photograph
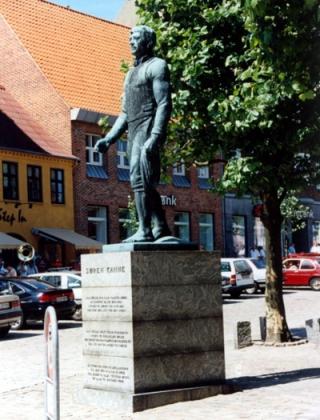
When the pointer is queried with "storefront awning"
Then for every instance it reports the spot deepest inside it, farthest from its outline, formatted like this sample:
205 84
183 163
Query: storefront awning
9 242
67 235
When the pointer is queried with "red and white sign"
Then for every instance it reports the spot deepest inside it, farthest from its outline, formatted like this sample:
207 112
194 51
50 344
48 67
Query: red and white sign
52 403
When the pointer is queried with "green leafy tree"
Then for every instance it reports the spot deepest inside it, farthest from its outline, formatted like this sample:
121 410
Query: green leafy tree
245 78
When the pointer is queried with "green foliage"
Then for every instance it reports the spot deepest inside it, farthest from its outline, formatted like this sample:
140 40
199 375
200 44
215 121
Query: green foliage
124 66
294 213
132 224
104 124
245 76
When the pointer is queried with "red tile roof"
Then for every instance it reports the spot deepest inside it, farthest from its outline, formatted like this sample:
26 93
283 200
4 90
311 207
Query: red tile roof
12 109
80 54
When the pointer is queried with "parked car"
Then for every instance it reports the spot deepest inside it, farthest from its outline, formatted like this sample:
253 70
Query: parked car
236 276
258 267
301 271
65 280
36 296
10 311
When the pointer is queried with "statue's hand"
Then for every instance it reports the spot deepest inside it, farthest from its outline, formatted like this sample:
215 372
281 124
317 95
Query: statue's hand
102 145
151 145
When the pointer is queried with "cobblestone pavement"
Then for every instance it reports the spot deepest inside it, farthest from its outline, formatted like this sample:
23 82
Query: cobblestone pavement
275 382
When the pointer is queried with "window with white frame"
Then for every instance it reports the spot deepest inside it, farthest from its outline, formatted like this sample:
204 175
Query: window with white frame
97 223
203 172
179 169
122 159
92 157
182 225
206 231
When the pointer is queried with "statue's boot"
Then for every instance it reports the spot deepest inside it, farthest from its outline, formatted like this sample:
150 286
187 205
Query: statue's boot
160 226
144 232
139 237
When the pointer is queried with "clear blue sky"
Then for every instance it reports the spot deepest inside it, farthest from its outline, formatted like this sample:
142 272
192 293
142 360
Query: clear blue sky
105 9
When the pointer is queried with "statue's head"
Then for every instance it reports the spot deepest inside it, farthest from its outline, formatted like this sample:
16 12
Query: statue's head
142 40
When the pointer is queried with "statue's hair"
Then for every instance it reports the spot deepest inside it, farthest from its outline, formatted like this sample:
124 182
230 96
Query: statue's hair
149 35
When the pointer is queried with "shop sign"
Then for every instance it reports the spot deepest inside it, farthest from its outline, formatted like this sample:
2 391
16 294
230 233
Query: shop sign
12 217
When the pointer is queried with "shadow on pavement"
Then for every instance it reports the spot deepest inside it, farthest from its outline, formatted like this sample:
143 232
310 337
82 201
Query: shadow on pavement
62 325
278 378
17 335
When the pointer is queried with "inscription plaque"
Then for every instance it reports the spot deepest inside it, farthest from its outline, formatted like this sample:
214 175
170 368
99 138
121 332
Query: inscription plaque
109 373
105 303
108 338
106 270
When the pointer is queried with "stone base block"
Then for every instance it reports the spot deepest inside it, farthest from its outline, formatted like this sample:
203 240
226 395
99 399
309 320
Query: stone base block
130 403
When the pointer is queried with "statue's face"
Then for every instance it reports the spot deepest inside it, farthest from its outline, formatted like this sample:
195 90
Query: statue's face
137 44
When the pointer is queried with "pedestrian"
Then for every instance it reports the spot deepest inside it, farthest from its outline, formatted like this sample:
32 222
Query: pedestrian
12 272
315 247
291 249
254 253
3 271
262 254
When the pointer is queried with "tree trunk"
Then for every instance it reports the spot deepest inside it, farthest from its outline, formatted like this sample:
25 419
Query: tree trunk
277 328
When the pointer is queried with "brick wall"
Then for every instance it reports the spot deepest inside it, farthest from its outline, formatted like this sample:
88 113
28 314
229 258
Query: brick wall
22 77
114 194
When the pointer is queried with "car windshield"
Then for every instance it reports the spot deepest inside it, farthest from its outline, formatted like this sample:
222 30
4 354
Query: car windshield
259 263
225 266
74 282
35 285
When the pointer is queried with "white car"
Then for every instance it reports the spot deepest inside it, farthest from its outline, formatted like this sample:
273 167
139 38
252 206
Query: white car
259 274
236 276
10 312
65 280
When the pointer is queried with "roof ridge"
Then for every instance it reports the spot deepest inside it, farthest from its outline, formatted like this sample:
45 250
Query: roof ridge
83 13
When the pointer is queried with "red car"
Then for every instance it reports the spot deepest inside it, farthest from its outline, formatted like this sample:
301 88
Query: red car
302 271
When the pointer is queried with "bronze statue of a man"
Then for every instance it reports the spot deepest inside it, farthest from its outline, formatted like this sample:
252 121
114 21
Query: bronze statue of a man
145 114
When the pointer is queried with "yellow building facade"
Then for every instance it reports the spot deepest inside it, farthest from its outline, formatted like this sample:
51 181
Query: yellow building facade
19 216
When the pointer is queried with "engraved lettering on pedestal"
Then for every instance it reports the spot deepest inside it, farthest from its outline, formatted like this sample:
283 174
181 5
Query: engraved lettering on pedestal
96 340
106 304
105 374
104 270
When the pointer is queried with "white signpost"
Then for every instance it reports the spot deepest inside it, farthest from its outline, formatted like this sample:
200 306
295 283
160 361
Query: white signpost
52 400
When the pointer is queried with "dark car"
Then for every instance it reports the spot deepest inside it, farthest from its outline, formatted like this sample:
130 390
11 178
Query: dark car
36 296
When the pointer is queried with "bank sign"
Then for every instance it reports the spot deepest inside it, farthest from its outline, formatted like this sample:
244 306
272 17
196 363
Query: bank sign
169 200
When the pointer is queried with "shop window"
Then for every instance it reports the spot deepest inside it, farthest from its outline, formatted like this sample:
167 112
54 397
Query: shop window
316 232
239 235
182 225
259 233
126 227
206 231
10 181
34 180
97 223
57 186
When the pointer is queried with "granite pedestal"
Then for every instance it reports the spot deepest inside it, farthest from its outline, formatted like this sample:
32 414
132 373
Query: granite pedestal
153 331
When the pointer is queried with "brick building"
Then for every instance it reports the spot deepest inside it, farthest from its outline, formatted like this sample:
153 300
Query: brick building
64 67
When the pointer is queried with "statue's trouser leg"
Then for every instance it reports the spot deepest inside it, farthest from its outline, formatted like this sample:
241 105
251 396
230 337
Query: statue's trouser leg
161 227
144 210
